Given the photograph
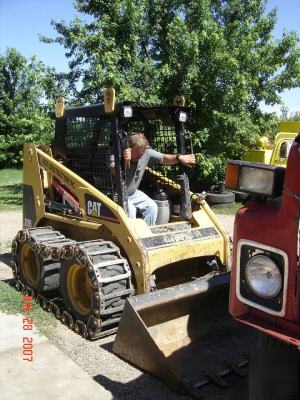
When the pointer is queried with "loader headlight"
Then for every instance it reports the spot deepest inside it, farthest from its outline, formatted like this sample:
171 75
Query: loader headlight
263 276
127 111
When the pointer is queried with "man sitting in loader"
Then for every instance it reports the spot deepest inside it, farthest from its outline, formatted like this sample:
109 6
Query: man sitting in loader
138 156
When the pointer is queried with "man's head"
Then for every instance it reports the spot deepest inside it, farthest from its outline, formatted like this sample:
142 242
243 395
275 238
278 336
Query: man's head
138 143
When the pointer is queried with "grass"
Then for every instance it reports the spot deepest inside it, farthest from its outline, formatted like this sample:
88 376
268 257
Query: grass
11 302
11 195
230 210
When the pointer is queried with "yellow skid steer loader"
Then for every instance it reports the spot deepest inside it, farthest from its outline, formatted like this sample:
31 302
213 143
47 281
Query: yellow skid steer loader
81 255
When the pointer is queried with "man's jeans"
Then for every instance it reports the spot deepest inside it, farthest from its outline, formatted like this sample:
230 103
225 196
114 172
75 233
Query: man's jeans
147 207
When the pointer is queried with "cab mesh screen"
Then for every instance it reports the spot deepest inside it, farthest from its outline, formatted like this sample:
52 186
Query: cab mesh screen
161 138
88 143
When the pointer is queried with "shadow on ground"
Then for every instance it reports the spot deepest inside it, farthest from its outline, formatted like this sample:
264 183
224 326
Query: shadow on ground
5 258
143 388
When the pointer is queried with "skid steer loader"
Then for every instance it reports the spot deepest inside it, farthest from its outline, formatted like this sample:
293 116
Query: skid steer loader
81 255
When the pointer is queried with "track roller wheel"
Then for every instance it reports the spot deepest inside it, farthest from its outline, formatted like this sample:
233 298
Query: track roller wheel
30 266
76 289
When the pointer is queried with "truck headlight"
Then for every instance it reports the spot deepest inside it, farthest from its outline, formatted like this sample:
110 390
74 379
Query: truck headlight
263 276
258 179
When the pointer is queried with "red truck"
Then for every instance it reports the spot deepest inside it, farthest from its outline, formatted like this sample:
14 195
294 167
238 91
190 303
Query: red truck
265 279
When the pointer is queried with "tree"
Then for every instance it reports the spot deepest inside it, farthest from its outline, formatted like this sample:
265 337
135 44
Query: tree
284 112
27 89
295 116
218 53
285 115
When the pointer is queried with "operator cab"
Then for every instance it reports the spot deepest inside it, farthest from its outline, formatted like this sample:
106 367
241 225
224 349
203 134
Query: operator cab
89 140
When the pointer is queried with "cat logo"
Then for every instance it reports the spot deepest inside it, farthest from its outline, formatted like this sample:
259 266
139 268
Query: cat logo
96 209
93 208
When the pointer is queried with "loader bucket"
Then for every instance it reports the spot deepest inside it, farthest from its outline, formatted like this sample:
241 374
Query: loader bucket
183 335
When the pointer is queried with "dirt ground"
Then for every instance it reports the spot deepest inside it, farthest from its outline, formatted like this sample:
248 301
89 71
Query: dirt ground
122 379
10 223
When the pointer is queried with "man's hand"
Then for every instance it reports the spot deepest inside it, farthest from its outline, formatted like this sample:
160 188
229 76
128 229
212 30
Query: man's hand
127 157
188 160
127 154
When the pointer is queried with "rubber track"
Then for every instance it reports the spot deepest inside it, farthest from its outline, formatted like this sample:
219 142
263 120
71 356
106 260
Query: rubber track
53 246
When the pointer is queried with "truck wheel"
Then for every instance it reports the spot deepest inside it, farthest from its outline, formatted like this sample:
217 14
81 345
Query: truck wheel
274 370
267 342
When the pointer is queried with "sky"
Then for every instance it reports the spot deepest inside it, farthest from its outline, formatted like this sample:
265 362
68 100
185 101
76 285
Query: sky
22 20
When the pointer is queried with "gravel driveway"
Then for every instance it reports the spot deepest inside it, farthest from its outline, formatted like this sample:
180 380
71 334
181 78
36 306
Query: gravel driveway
96 358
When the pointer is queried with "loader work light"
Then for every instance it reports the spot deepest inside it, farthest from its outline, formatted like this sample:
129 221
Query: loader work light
258 179
182 116
127 111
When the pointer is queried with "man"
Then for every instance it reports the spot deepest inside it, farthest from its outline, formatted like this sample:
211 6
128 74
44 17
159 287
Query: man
138 156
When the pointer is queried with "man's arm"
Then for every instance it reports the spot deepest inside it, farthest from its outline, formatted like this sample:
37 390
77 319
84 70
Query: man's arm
188 160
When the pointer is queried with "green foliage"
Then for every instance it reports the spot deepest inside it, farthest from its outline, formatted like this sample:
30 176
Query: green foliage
219 54
27 92
11 193
294 116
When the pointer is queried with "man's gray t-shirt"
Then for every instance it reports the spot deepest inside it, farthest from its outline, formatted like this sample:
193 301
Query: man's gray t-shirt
137 168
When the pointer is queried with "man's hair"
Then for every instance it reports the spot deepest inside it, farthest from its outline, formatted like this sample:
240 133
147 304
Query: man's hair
138 140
